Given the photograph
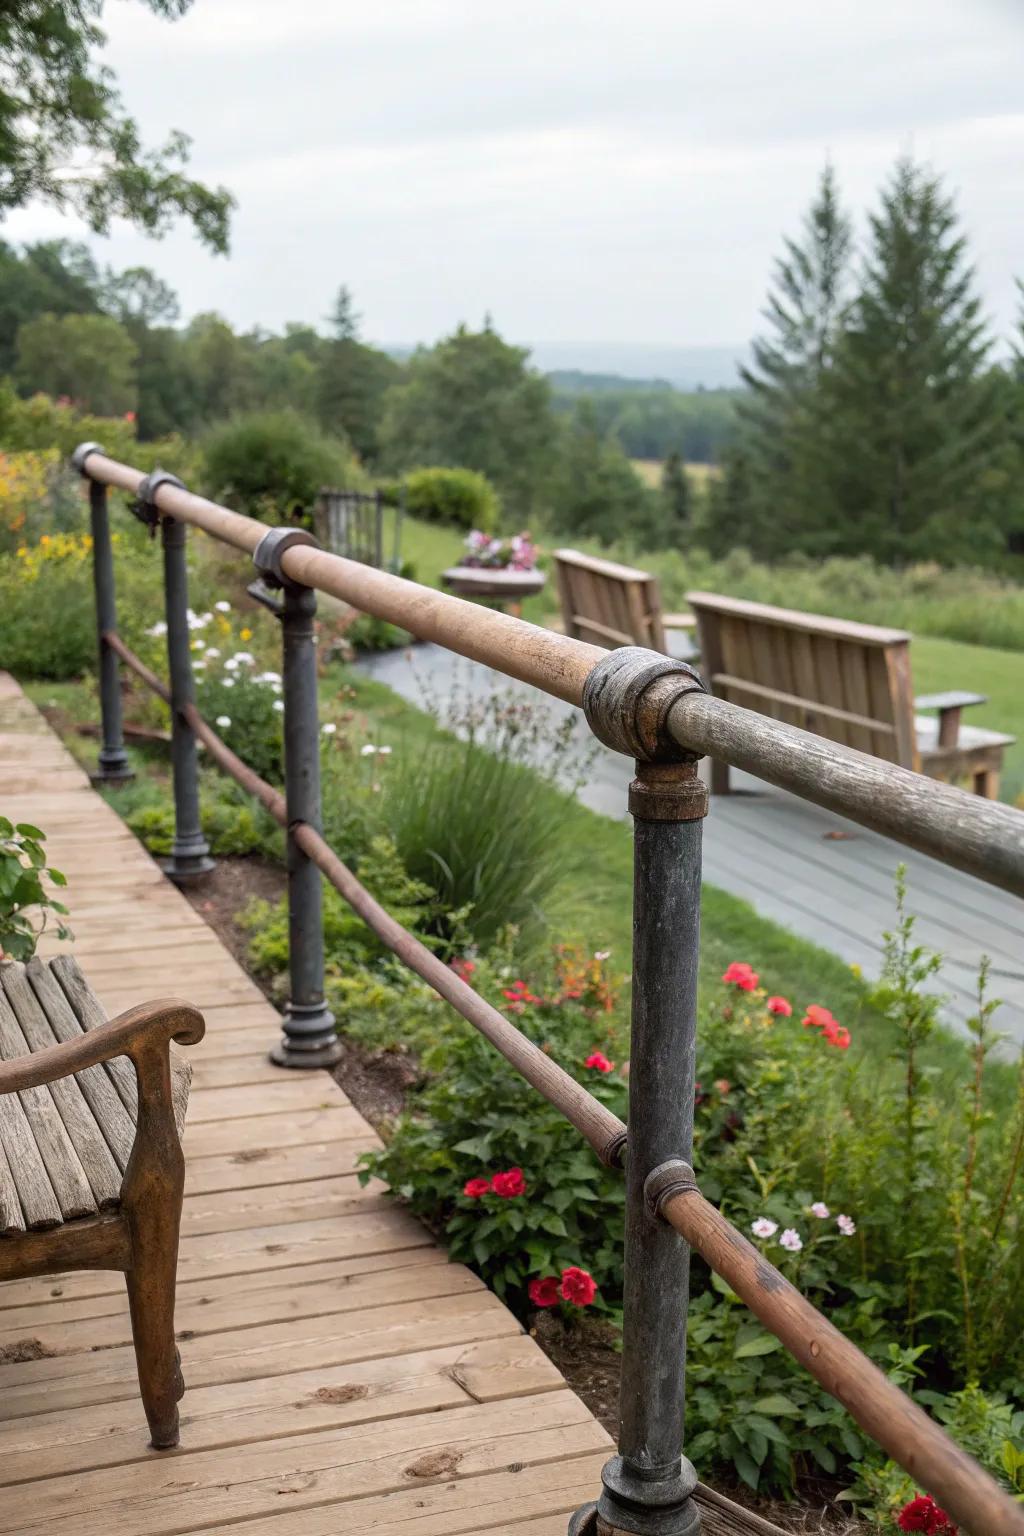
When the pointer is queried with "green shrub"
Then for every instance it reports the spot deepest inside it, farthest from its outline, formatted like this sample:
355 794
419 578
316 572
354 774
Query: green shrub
481 825
460 497
244 706
25 903
232 822
273 464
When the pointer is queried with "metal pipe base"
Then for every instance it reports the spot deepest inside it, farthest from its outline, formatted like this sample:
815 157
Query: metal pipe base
188 861
634 1505
112 767
309 1038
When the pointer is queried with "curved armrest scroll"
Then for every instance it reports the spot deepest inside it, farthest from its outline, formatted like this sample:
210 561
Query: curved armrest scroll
146 1027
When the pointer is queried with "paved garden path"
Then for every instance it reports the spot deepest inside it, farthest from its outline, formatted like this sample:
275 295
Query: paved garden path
817 874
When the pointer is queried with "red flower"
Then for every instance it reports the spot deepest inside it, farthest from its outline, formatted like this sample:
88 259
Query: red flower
578 1287
839 1036
923 1514
129 415
544 1293
599 1062
518 994
722 1086
817 1017
740 974
476 1188
463 968
779 1005
509 1184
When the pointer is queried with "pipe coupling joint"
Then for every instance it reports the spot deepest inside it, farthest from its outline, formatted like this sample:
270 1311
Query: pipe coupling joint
80 455
268 552
662 1184
627 698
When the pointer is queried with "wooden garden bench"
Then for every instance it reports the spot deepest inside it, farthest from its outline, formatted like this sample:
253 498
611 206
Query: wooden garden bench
610 604
847 682
91 1167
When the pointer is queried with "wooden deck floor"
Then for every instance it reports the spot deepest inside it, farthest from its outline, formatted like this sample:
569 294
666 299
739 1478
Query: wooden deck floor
342 1376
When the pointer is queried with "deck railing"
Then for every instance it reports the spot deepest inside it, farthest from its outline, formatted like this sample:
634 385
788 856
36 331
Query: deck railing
657 711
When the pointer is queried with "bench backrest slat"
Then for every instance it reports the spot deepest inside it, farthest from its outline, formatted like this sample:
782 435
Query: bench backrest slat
606 603
847 682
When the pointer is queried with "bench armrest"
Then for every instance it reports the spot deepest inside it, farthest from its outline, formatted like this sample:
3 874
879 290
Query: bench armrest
948 706
679 621
147 1027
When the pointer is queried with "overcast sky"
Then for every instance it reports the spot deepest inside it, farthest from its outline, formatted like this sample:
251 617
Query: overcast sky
585 170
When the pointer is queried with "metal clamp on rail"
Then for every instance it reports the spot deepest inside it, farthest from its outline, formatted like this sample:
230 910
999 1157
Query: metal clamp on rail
80 455
627 698
144 507
662 1184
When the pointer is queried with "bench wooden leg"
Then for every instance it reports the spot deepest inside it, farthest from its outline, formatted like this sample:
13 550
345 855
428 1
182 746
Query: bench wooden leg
151 1284
719 777
986 783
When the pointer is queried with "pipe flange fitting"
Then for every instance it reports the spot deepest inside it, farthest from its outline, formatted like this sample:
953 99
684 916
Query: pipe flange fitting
267 554
627 698
584 1521
671 1178
81 453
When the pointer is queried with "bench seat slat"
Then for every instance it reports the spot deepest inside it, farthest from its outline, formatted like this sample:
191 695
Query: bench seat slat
87 1138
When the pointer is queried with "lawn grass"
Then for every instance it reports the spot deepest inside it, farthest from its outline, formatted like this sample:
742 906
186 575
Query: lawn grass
940 664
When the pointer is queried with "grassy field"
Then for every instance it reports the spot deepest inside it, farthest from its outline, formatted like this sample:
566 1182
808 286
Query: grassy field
941 664
650 470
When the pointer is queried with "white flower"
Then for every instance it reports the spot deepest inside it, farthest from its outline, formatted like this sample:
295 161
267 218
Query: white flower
211 653
791 1240
240 656
368 750
227 682
846 1225
329 729
231 665
820 1209
601 954
764 1227
159 628
384 751
278 706
199 666
223 606
197 645
198 620
223 721
268 677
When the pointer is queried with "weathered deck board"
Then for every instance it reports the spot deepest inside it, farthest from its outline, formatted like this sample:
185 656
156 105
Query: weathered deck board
308 1307
817 874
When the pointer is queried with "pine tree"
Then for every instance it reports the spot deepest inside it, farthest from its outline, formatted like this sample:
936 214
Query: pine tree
782 427
675 491
916 417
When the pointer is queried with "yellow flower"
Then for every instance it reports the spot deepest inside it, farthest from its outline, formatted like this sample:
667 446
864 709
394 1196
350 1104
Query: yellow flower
245 634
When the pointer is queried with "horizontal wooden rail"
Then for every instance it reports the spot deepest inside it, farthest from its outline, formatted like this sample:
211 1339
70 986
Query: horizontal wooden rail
981 837
891 1418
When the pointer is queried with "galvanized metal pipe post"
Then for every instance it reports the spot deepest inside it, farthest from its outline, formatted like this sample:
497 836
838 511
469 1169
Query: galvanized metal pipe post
189 858
309 1038
648 1487
113 766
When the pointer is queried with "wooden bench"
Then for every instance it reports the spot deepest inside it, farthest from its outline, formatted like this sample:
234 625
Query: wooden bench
91 1167
848 682
610 604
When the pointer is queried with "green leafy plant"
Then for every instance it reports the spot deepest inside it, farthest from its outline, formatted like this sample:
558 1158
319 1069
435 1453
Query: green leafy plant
273 464
461 497
25 903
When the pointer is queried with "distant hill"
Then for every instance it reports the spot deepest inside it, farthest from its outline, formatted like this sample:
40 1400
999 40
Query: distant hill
622 364
573 381
650 366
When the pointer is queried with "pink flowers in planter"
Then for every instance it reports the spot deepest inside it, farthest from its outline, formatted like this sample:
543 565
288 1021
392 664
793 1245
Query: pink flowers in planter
576 1286
484 552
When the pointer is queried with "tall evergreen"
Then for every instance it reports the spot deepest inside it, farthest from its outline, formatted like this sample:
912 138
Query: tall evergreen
675 492
783 429
916 419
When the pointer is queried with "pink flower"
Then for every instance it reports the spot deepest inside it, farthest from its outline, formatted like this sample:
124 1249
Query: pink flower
764 1227
599 1062
509 1184
791 1240
578 1287
463 968
821 1210
779 1005
544 1292
129 415
476 1188
846 1225
817 1017
740 974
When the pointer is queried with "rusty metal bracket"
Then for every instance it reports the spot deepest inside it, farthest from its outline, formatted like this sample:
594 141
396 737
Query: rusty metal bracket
627 698
674 1177
667 792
